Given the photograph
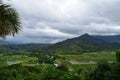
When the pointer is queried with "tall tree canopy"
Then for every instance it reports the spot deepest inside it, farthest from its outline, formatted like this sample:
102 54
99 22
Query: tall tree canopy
9 20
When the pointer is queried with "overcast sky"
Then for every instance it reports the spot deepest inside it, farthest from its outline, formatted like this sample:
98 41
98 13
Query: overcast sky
50 21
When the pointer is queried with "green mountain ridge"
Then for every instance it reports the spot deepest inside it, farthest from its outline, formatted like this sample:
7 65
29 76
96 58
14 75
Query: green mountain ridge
3 42
109 38
21 48
77 45
84 43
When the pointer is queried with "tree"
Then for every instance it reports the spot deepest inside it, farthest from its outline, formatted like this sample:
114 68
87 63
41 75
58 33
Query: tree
9 20
100 71
118 55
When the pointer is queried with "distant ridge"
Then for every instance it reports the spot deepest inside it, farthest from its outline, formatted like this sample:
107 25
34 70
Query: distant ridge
83 43
3 42
77 45
109 38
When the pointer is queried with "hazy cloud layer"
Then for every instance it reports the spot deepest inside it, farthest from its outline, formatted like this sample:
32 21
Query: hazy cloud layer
55 20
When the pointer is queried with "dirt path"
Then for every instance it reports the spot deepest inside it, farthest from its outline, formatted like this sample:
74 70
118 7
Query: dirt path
77 62
14 62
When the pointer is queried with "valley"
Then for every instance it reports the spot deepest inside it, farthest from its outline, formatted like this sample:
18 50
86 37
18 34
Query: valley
74 59
91 58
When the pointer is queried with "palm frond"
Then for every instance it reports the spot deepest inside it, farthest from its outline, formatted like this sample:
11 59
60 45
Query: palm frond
9 21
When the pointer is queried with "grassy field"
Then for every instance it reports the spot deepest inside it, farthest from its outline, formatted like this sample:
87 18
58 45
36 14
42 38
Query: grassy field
86 60
16 59
93 56
74 62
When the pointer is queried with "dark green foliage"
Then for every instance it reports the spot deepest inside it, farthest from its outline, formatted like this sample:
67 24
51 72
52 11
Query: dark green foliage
118 55
47 72
50 73
19 72
63 67
46 58
104 71
9 20
22 48
115 72
100 71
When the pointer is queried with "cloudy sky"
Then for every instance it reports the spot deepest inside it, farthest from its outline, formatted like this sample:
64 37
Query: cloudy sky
50 21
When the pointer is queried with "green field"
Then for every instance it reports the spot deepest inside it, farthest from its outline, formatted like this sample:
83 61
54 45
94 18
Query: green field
6 60
93 56
74 62
73 67
87 60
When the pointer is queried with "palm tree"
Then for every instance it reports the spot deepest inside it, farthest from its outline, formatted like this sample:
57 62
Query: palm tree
9 20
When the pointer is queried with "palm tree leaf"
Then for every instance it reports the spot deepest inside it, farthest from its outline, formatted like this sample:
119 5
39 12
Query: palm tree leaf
9 21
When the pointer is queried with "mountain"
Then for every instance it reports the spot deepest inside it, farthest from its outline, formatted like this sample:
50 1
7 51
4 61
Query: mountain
29 46
18 48
84 43
3 42
77 45
109 38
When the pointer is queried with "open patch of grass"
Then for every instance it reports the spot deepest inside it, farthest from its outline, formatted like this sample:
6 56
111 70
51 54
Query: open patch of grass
93 56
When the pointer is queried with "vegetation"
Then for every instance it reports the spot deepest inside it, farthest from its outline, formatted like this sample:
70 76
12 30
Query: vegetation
118 56
9 20
26 67
82 44
75 46
22 48
51 65
34 63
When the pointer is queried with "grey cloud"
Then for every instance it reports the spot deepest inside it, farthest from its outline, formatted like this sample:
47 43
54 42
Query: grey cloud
56 20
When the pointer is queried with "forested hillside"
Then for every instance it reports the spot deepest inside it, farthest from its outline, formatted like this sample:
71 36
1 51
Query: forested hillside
84 43
77 45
